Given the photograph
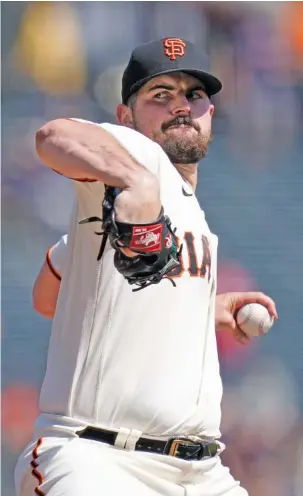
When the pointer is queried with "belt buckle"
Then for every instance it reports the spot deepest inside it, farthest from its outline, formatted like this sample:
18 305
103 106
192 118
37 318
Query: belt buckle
172 445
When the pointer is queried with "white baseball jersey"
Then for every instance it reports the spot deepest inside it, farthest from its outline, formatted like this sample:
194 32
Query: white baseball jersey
145 360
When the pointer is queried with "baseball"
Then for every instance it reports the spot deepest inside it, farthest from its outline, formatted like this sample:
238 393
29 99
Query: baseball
254 319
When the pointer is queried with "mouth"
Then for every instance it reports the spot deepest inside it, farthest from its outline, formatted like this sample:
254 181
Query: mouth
180 126
181 123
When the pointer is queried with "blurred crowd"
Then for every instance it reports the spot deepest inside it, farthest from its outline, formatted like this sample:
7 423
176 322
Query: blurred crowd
65 59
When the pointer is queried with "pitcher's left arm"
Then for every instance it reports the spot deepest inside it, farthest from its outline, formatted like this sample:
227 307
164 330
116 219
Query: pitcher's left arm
47 284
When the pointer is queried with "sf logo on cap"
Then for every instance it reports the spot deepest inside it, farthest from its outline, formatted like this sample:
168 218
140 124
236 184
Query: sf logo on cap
174 47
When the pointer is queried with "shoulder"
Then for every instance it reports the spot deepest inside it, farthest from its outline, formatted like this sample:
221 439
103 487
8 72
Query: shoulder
129 136
143 149
126 134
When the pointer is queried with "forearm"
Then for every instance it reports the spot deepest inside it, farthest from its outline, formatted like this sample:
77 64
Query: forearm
82 150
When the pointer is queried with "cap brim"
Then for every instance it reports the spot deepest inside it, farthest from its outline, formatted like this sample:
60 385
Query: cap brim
211 84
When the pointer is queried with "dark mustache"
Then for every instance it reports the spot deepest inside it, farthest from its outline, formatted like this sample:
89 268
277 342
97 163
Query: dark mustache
177 121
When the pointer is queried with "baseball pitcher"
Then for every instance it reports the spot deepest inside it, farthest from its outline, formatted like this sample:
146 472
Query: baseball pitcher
130 402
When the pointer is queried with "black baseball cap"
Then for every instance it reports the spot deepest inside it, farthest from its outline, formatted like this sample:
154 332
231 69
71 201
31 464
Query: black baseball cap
163 57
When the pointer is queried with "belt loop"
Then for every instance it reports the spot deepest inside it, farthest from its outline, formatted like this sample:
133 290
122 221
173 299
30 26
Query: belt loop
132 439
122 437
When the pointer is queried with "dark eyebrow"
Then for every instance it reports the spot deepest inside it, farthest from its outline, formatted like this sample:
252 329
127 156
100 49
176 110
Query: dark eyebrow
161 87
196 88
171 88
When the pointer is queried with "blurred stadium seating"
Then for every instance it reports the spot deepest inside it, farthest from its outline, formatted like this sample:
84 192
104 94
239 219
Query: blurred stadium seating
65 59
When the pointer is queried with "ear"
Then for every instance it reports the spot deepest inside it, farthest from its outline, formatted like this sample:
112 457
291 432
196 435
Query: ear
211 110
124 115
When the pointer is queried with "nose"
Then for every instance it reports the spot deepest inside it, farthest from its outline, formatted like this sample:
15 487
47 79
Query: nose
181 106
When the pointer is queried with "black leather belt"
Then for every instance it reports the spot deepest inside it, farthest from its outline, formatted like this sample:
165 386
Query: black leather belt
179 447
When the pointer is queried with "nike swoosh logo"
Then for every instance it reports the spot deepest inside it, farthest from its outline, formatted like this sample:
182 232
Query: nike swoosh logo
185 193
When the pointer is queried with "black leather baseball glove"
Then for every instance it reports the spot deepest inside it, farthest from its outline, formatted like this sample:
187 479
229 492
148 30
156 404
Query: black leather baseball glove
155 243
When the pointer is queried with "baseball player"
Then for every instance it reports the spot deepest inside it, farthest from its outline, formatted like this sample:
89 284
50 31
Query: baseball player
130 403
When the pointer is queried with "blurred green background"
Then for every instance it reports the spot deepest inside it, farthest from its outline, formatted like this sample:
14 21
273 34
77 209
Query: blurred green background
65 59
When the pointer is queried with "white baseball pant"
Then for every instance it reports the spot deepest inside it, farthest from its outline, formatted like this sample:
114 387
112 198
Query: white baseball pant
70 466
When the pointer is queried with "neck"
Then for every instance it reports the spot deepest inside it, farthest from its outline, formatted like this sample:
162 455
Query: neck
189 172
